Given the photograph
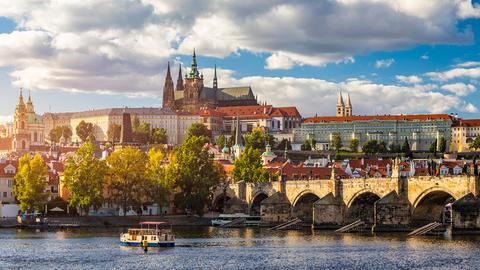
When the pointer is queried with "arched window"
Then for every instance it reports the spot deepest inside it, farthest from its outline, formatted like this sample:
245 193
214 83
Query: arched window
22 125
23 145
35 136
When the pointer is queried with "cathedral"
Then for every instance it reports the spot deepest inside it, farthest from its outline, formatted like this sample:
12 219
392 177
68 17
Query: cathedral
28 127
342 108
190 93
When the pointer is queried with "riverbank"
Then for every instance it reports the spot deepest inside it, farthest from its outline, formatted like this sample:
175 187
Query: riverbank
115 221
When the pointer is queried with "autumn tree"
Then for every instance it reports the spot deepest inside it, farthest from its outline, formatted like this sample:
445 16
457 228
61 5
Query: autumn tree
84 130
84 177
56 133
126 177
248 167
31 182
159 136
158 186
194 174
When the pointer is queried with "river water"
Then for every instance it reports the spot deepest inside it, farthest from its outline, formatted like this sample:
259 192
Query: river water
213 248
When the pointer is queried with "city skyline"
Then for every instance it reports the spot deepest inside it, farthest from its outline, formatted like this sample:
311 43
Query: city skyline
74 63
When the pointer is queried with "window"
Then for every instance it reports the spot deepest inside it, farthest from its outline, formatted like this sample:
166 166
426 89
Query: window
4 194
10 183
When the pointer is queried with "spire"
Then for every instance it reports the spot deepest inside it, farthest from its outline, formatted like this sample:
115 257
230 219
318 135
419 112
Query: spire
168 90
340 106
340 99
180 78
168 71
30 103
238 132
348 107
349 104
215 83
20 97
194 70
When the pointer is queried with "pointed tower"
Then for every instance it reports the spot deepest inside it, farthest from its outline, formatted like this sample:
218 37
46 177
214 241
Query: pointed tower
348 107
168 91
30 108
340 106
193 88
21 136
215 82
194 74
180 85
238 147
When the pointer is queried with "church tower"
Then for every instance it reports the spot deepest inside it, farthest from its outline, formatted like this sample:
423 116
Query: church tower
215 82
193 87
21 136
168 91
348 107
340 106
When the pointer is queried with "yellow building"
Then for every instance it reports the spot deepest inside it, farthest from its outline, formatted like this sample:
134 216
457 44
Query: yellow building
464 131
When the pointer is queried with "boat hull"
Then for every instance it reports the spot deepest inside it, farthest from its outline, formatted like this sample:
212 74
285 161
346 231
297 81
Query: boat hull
150 244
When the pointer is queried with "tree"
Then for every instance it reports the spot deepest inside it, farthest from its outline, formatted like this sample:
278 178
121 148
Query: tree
194 174
306 146
248 167
336 142
159 136
370 147
395 148
354 143
57 132
442 147
433 147
405 146
84 177
221 141
281 145
200 130
141 134
313 144
475 144
114 132
135 123
30 183
255 139
158 186
126 177
382 147
84 130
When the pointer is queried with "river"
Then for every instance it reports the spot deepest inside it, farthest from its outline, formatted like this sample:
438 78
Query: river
213 248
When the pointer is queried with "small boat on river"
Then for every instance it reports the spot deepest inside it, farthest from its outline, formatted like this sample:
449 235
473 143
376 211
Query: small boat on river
247 220
149 234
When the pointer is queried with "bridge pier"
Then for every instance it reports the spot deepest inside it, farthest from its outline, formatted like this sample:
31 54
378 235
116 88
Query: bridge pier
328 212
466 215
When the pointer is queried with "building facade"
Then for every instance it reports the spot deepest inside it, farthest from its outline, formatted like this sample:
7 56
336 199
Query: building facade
191 94
464 131
28 127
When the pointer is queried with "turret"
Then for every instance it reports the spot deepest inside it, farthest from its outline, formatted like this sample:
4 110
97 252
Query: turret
168 91
340 106
30 108
20 104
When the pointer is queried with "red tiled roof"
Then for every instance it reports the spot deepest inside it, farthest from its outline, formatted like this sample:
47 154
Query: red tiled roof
210 112
258 111
39 148
5 144
406 117
14 163
466 123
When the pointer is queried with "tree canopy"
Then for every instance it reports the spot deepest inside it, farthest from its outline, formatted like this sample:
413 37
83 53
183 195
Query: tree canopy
194 174
257 139
475 145
406 146
31 182
354 143
57 133
84 130
248 167
84 178
336 142
442 147
159 136
158 186
370 147
200 130
114 132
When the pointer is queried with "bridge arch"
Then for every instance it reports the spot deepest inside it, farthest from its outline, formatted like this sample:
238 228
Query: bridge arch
303 205
219 201
361 206
256 202
429 206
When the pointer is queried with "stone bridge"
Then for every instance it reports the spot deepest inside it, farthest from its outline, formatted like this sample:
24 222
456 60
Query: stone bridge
394 203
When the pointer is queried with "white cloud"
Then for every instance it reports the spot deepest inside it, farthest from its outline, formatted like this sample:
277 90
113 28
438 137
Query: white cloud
424 57
5 119
469 64
384 63
413 79
455 73
460 89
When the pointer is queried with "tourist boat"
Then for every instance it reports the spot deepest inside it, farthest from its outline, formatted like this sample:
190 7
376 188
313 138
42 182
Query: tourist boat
223 219
151 235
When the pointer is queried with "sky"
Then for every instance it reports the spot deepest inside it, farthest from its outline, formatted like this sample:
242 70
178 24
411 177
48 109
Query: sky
391 57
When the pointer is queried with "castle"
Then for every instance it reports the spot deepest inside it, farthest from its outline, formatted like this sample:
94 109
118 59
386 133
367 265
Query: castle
190 93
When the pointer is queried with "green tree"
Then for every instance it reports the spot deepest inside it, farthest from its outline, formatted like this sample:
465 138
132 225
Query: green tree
382 147
354 143
433 147
405 146
336 142
142 133
255 139
84 130
475 144
135 122
306 146
84 177
158 186
281 145
126 177
248 167
221 141
394 148
57 132
370 147
313 144
30 183
442 147
200 130
194 174
114 132
159 136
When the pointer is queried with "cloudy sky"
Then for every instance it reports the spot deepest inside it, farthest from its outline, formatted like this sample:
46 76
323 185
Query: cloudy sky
410 56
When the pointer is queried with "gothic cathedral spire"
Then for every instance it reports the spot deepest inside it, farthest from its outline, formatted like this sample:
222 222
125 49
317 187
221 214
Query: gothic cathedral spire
340 106
180 79
194 69
168 91
348 107
215 82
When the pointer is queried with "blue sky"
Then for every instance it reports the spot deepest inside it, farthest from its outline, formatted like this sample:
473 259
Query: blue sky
391 57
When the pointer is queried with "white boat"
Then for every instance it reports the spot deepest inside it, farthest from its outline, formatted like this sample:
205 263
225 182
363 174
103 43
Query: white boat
223 219
152 236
